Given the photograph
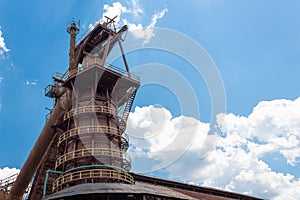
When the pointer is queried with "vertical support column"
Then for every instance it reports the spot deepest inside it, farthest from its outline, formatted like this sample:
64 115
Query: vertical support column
124 58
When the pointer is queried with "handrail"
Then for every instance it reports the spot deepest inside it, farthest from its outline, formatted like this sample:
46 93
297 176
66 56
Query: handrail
93 108
90 129
9 177
94 152
92 174
87 129
8 181
99 63
96 109
75 169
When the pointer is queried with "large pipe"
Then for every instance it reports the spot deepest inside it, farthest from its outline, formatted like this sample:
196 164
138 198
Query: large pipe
37 153
72 30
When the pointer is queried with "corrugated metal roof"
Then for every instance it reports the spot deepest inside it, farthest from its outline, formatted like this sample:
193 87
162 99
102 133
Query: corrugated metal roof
199 192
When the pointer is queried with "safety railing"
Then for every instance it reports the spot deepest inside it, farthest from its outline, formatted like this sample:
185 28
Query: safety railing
8 182
59 76
124 143
53 91
104 174
122 124
95 152
88 129
96 109
89 109
48 90
99 63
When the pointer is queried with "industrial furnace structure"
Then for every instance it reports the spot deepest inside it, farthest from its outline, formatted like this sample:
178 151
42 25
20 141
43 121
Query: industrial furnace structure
81 151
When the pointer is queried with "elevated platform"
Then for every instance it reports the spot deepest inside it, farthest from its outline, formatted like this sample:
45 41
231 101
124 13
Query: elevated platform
108 71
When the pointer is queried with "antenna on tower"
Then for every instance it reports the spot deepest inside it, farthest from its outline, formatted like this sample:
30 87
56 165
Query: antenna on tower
110 21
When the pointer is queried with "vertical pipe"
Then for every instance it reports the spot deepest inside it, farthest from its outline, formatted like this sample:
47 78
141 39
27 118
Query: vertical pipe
72 30
46 180
45 184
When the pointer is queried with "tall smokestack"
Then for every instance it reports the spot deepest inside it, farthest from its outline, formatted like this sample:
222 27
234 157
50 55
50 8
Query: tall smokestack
72 29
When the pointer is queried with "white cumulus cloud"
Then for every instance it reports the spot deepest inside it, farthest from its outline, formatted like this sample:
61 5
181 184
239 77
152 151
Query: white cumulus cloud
3 48
136 9
116 9
139 31
236 163
274 124
154 133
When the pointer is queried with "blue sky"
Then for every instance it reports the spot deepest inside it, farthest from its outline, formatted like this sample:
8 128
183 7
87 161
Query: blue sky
254 44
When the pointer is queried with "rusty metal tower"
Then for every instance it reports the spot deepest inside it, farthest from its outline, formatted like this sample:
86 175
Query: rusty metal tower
81 151
85 141
93 143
